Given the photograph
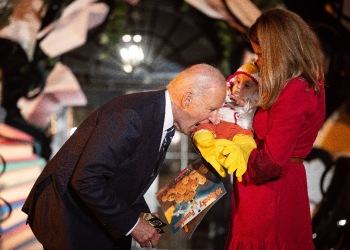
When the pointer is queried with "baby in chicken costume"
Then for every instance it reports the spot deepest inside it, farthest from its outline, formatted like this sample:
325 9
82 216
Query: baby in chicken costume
229 142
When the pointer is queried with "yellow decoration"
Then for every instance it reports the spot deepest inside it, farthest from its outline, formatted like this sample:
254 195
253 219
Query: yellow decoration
334 135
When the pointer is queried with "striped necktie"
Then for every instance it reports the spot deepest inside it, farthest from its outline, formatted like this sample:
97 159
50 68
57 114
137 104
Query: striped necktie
162 152
167 139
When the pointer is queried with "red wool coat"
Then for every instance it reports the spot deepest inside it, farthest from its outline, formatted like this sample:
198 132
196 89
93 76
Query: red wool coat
270 207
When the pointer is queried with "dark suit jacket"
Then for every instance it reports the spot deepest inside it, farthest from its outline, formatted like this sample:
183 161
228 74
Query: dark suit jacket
89 193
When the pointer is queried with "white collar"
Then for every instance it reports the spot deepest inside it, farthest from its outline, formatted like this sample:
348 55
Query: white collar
169 118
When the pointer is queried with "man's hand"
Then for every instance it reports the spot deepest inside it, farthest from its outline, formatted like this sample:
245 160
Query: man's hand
145 234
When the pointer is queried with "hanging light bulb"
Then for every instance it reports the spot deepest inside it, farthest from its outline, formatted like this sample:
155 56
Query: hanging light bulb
131 53
341 223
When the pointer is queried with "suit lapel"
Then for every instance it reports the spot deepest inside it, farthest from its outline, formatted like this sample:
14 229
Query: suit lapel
154 137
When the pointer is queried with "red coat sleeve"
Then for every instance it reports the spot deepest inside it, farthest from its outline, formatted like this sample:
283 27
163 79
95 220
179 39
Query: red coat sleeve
278 132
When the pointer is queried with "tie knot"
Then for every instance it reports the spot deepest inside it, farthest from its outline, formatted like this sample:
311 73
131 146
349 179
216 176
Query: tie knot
168 136
170 131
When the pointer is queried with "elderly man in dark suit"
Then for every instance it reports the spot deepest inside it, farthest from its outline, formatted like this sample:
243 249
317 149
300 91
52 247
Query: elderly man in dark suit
90 194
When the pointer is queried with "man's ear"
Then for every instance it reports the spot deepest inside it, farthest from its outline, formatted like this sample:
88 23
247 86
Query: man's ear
186 99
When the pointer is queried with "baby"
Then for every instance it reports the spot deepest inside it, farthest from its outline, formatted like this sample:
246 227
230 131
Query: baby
233 126
243 91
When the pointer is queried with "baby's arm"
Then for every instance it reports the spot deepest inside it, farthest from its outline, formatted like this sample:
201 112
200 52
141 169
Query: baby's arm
217 119
225 144
238 100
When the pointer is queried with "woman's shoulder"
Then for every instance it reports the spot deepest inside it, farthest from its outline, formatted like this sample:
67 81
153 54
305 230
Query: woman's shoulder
297 94
301 86
298 87
296 84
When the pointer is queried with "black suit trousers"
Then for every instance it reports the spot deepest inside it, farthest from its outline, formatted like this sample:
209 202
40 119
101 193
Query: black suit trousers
123 243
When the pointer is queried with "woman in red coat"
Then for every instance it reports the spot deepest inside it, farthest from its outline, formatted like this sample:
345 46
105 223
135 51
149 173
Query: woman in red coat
270 207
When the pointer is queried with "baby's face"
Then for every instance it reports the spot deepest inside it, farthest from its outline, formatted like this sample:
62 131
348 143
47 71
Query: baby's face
244 86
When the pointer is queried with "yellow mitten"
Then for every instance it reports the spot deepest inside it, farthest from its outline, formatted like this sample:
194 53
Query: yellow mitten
205 141
235 157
